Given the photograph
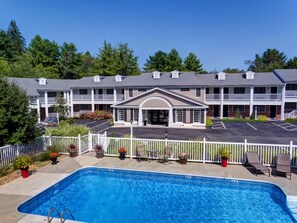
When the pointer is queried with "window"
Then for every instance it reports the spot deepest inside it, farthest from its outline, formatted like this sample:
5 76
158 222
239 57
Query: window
179 115
121 115
130 93
239 90
207 90
109 91
198 94
260 108
260 90
216 90
290 106
84 107
291 87
238 107
52 94
99 91
185 89
83 91
197 116
135 115
141 90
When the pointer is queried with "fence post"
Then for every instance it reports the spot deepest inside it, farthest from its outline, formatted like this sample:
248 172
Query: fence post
204 150
50 139
98 138
105 141
291 151
44 142
79 145
245 150
131 146
90 143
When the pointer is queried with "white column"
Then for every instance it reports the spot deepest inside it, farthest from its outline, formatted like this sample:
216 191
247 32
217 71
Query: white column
92 98
71 103
222 103
113 115
114 96
46 103
38 109
170 118
251 100
283 103
140 121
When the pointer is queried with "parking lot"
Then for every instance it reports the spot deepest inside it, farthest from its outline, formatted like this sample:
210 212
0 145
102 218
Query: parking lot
266 132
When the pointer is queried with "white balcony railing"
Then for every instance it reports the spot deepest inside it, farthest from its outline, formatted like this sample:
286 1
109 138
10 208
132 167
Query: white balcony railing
267 97
291 94
33 101
108 97
240 97
213 97
82 97
50 100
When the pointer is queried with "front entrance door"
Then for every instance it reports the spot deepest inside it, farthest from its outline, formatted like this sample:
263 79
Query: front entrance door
159 117
216 109
272 111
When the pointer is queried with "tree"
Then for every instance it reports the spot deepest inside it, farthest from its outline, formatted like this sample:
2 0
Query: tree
22 67
106 64
44 56
292 63
156 62
125 61
16 42
3 44
17 121
173 61
88 65
270 60
233 70
61 107
4 68
192 63
70 61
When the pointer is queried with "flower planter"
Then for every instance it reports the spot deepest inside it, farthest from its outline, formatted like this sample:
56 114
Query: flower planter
54 160
224 162
122 156
99 155
25 172
183 158
73 154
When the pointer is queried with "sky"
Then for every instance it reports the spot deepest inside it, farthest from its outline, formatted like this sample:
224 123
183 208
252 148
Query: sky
222 33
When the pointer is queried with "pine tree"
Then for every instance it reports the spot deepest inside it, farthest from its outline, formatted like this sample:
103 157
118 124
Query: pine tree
173 61
192 63
70 61
16 42
105 64
88 65
156 62
125 61
292 63
3 44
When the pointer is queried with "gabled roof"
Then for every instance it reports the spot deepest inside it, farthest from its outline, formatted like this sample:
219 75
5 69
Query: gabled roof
173 94
287 75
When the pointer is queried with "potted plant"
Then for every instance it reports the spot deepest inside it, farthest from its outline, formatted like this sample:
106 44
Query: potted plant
99 151
54 157
225 154
122 152
23 162
73 150
183 158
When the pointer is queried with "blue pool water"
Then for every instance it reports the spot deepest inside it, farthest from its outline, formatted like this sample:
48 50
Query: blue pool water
110 195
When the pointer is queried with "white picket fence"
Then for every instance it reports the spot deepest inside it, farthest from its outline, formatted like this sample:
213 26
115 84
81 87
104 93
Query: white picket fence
198 151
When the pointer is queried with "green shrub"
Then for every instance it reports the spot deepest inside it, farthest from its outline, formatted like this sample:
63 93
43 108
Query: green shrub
53 149
237 114
208 122
65 129
262 118
111 123
291 120
4 170
44 156
252 117
22 161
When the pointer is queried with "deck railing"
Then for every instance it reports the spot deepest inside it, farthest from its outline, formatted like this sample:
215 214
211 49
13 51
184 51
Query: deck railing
198 151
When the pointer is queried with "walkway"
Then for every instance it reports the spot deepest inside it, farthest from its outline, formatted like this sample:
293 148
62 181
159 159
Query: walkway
13 193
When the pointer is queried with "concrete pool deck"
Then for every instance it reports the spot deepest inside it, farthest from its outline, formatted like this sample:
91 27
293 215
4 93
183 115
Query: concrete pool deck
19 190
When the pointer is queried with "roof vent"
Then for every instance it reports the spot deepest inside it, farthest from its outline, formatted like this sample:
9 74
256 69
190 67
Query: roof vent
250 75
156 75
118 78
96 78
221 76
175 74
42 81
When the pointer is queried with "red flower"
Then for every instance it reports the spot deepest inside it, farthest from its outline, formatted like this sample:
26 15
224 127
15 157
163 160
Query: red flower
122 150
54 154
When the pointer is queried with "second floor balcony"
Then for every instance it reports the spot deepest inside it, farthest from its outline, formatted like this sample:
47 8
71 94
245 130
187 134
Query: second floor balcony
244 97
97 97
291 94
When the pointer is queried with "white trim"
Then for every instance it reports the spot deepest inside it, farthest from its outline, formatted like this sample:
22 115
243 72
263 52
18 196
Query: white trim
155 98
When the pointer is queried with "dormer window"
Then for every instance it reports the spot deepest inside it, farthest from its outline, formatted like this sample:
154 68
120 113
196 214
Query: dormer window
156 75
221 76
175 74
42 81
118 78
96 78
250 75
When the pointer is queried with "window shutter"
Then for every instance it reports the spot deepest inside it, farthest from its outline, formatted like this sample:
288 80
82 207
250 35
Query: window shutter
173 114
125 114
131 114
116 115
202 116
191 115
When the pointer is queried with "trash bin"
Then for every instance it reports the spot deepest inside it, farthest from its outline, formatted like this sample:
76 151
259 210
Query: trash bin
144 122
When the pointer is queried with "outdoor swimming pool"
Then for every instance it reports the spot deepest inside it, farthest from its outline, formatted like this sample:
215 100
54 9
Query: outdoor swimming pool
114 195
